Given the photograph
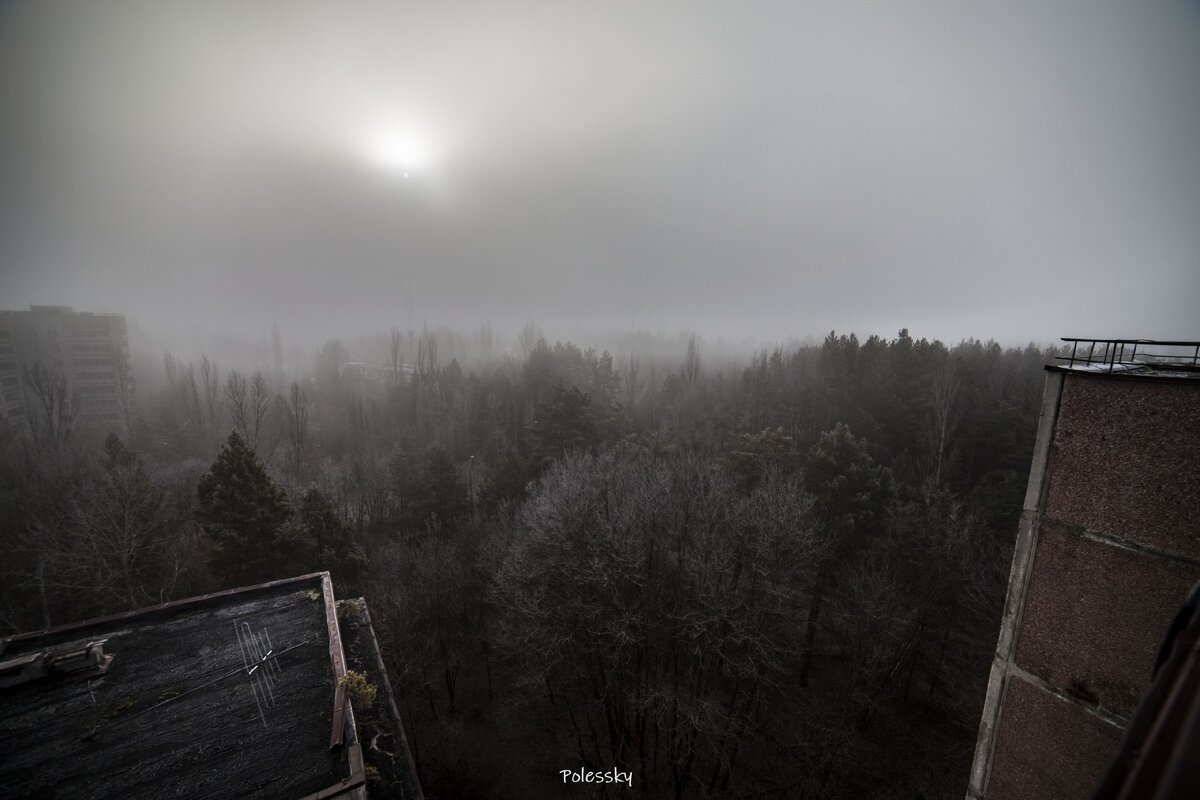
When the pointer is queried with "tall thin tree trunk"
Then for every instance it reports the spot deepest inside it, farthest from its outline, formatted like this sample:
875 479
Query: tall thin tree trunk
41 582
810 632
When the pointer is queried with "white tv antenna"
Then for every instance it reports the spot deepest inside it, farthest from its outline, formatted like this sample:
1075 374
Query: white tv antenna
260 664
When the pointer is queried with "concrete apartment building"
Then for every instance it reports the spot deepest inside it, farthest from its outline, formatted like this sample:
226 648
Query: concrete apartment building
1107 551
86 355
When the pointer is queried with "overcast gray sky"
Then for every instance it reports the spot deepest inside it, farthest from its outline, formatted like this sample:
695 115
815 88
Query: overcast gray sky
1015 170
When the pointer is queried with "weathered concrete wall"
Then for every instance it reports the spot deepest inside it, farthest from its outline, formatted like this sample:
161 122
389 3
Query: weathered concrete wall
1108 548
1125 461
1047 748
1096 614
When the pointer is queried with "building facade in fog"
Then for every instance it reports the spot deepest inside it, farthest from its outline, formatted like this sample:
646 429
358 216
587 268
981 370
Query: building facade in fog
365 373
1107 551
71 364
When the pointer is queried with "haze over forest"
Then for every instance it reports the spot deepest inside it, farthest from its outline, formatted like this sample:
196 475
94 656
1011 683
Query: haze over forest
664 376
1018 172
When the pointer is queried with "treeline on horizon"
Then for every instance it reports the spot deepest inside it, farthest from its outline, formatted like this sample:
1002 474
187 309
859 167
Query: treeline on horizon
782 577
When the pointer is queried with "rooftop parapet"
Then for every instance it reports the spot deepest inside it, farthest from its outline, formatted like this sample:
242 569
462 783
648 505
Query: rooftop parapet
1142 357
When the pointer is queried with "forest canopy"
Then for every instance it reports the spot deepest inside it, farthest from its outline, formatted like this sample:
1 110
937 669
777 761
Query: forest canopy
723 578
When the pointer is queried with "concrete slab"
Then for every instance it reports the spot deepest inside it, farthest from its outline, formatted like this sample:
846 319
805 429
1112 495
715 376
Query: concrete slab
1124 461
1047 748
1096 615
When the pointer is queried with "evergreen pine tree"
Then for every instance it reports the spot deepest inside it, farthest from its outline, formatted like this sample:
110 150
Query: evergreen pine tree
850 491
320 540
244 512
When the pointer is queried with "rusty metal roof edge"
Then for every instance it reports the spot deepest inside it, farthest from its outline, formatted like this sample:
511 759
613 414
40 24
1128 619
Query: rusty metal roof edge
350 782
337 658
198 601
343 714
356 778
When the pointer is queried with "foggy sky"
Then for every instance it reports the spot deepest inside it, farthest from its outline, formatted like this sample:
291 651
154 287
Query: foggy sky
1020 171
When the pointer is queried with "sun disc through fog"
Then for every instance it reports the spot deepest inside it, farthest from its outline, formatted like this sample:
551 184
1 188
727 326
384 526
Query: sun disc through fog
403 151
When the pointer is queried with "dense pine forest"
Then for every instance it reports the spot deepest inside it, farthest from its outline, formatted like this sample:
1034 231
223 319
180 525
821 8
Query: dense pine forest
779 577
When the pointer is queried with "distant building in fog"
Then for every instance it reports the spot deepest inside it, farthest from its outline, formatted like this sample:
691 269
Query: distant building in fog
56 349
1106 553
368 373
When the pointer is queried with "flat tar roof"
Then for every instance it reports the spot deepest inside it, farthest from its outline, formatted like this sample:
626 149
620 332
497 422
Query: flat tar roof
177 715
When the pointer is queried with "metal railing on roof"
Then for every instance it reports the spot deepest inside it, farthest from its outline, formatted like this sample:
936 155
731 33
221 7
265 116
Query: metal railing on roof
1123 354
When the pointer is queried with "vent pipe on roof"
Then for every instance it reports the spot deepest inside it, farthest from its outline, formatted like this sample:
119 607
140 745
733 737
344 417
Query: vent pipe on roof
68 662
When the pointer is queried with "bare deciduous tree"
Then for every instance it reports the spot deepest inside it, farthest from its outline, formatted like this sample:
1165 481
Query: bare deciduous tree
297 428
259 416
123 379
528 340
397 357
939 426
427 355
634 381
118 531
656 605
210 377
237 403
191 401
54 419
691 362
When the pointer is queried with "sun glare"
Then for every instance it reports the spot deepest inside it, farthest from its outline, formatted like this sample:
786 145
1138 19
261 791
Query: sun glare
402 151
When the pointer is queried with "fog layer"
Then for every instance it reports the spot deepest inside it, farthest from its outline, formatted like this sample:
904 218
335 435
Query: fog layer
1021 171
